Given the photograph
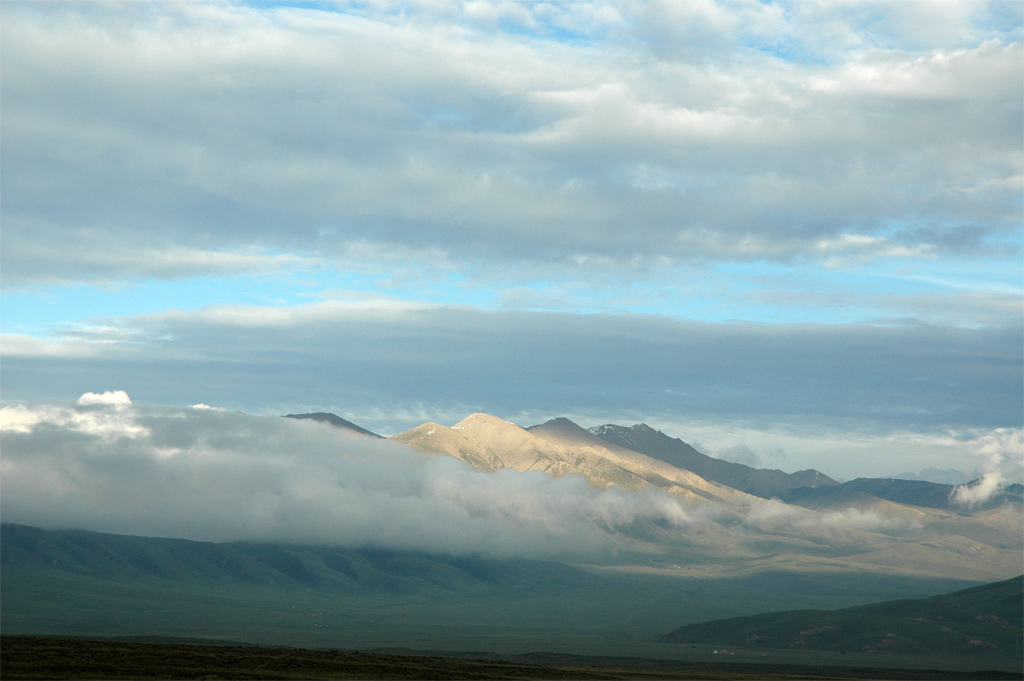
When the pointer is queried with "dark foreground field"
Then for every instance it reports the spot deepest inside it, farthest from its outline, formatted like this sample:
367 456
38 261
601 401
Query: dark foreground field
38 657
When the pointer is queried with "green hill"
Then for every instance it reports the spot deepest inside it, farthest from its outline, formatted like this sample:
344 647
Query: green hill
986 621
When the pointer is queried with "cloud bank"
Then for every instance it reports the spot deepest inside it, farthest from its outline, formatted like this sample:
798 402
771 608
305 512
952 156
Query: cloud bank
207 474
1002 456
356 356
525 133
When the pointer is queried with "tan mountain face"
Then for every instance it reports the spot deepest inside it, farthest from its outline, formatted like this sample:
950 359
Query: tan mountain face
558 447
732 532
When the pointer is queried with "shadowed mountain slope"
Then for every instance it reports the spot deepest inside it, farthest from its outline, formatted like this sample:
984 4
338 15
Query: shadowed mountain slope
758 482
876 493
913 492
985 620
924 493
126 558
334 420
558 447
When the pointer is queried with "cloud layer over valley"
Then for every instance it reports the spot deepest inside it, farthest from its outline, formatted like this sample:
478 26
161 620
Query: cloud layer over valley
208 474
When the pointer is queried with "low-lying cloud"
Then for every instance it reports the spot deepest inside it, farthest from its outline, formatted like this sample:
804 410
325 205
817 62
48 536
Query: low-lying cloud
208 474
1003 455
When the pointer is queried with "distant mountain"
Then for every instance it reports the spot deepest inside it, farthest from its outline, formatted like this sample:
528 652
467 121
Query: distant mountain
909 492
837 528
334 420
759 482
946 476
558 447
985 620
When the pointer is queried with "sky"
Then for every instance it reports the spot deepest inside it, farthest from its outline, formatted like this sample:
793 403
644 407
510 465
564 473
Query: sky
787 233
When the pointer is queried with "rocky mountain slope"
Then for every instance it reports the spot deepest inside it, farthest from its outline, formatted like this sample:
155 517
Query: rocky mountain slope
558 447
759 482
800 521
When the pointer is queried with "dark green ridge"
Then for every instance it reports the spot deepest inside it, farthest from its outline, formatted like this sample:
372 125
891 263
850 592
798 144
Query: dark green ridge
982 621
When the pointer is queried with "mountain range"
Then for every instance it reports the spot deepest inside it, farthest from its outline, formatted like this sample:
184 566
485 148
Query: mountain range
557 447
740 542
607 455
744 520
759 482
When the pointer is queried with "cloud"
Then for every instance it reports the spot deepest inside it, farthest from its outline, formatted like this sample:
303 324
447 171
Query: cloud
741 454
115 398
849 400
691 159
775 516
1002 454
358 355
180 140
212 475
106 416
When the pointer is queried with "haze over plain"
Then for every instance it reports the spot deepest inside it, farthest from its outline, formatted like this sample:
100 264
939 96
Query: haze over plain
789 233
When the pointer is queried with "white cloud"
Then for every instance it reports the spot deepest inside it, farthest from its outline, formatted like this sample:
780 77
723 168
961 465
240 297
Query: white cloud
773 515
181 140
212 475
1002 456
22 345
107 416
114 398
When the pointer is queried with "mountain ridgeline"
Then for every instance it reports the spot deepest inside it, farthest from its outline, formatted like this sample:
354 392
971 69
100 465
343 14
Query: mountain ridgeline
334 420
759 482
558 447
809 488
638 456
